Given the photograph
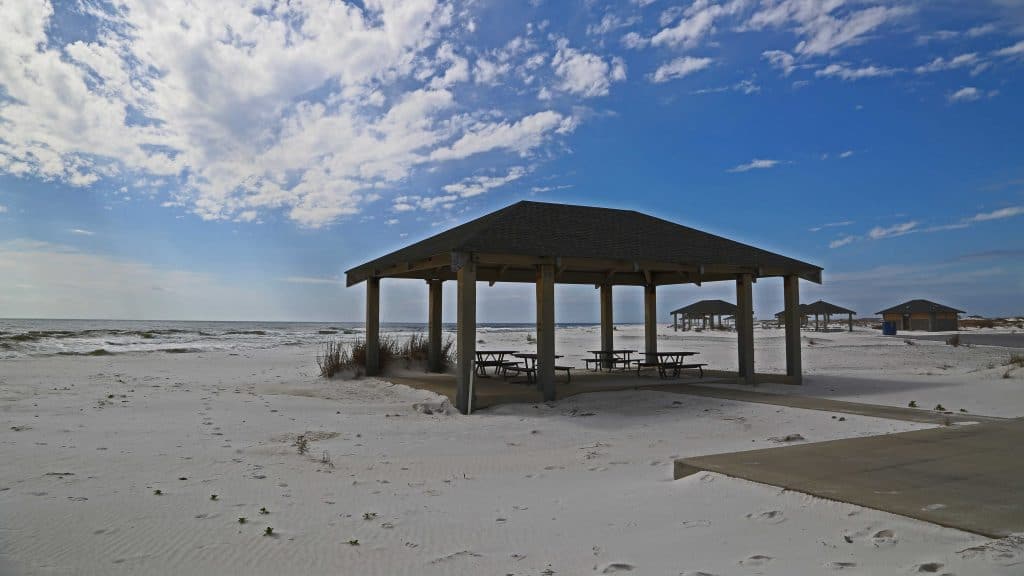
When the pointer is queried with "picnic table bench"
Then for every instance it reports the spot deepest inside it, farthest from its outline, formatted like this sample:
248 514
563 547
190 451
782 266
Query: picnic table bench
668 361
529 367
611 358
492 359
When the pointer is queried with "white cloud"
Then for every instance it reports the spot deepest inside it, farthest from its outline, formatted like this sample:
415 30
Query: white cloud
521 136
392 221
997 214
838 224
3 208
755 164
879 232
842 241
846 154
1012 51
846 73
609 23
679 68
476 185
825 26
587 75
780 59
81 232
633 41
941 64
310 108
965 94
697 22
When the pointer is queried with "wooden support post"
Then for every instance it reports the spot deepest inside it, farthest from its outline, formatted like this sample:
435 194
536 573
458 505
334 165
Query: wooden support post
675 322
791 289
466 338
745 326
607 322
372 326
434 363
546 330
650 319
851 322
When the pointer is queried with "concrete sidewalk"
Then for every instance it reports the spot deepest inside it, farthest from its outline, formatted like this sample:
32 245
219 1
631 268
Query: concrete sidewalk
921 415
969 477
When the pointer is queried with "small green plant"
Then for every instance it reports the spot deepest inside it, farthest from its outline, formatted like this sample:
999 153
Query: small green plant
353 542
241 520
213 496
269 531
369 515
964 410
940 408
264 511
913 404
158 492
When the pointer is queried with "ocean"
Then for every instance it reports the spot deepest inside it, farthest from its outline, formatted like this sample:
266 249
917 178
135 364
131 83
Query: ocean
34 337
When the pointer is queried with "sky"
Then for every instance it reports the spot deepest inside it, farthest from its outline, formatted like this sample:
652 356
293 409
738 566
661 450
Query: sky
230 160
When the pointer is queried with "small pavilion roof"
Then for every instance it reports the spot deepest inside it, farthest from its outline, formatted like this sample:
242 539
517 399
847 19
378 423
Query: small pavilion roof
704 307
919 306
587 245
821 307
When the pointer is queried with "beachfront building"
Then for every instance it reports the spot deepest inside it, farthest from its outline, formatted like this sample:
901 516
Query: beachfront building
545 244
923 315
703 312
821 311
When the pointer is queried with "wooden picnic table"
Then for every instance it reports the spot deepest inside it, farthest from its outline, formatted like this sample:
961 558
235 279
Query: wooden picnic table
610 358
492 358
664 361
530 365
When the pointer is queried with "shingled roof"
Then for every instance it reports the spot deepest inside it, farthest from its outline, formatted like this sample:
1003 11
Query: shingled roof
704 307
586 244
820 307
919 307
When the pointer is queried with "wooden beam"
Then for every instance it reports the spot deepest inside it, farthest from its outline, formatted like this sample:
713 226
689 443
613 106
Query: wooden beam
546 330
607 322
650 319
466 338
435 298
745 327
791 289
373 326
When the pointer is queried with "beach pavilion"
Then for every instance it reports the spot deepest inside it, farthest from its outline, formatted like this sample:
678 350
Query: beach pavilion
820 310
544 244
703 311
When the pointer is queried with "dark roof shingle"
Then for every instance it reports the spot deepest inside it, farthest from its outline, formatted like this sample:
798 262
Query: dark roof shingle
919 306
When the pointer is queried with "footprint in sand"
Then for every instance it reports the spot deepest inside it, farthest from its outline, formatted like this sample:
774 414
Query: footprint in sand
928 567
756 560
768 516
884 538
696 573
617 568
837 565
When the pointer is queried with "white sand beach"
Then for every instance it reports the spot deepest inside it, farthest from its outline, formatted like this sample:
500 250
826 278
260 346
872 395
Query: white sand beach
111 464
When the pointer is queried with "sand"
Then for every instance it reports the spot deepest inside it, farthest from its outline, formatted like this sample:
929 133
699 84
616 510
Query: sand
583 486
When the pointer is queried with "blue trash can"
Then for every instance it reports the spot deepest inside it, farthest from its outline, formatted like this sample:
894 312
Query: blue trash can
888 328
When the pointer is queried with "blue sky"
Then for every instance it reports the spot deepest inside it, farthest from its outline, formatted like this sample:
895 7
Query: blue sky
229 160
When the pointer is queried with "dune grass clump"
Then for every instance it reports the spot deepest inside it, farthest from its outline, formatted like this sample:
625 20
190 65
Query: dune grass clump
333 358
1015 360
336 357
953 340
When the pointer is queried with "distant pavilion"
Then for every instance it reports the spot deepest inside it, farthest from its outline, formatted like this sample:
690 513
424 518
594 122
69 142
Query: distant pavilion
703 311
820 310
545 244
